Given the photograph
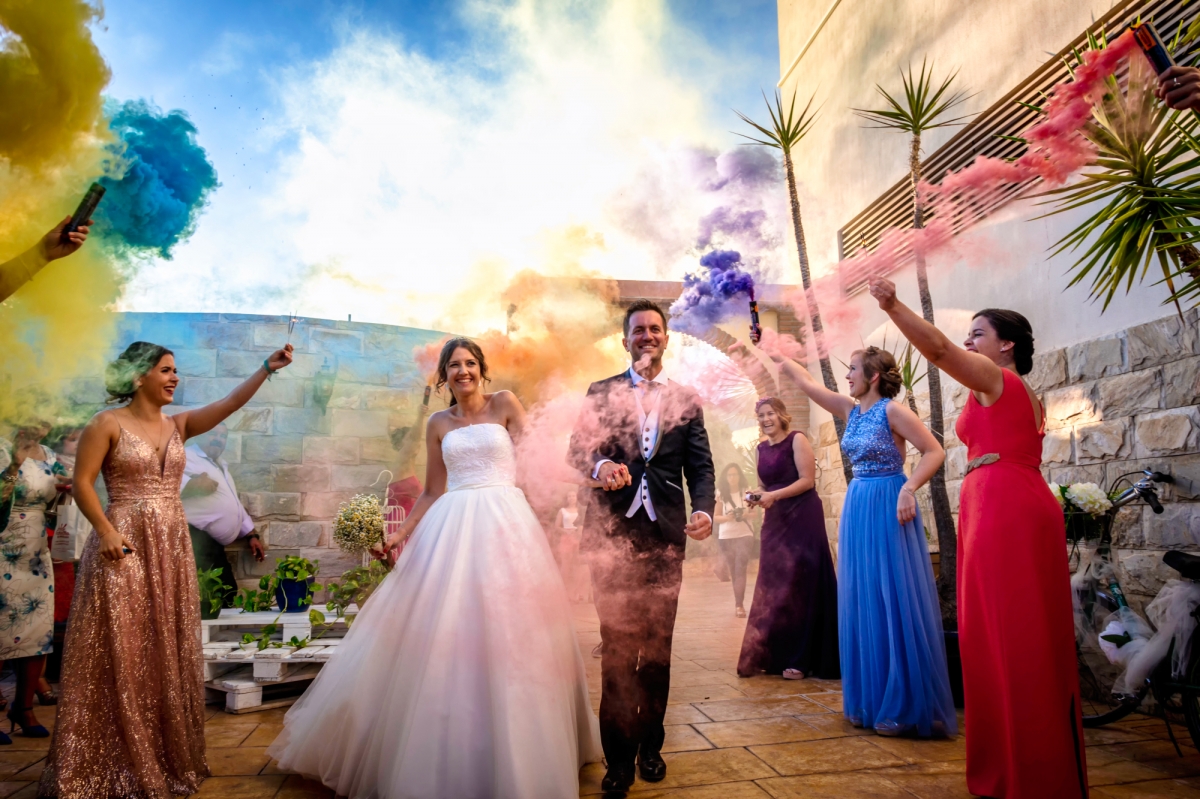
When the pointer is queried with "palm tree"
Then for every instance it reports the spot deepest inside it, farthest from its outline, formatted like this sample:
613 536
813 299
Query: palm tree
922 108
1142 190
785 132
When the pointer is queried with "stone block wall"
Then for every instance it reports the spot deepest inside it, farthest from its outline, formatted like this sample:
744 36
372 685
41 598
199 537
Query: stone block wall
293 464
1118 404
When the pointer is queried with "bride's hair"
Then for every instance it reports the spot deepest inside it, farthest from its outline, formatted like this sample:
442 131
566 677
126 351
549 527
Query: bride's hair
444 361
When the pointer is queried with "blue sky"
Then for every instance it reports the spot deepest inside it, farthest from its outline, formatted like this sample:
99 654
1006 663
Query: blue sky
279 90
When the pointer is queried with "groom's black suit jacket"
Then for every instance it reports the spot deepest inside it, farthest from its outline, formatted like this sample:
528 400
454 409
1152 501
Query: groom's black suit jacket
608 428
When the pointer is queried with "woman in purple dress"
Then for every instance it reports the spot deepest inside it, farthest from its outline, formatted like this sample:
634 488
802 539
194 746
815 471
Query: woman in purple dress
793 624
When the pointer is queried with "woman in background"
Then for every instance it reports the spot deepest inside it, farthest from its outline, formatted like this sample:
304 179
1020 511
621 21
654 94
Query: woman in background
574 570
1016 629
30 484
735 536
793 628
131 716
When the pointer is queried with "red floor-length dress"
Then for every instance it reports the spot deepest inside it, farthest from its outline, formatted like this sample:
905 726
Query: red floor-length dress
1024 734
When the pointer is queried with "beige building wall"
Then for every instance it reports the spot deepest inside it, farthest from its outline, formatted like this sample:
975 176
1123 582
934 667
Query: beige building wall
843 167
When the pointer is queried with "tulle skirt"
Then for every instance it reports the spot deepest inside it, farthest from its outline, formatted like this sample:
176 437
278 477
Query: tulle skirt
890 625
461 677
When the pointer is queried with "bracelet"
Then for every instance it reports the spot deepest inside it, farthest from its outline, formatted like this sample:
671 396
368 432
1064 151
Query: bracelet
270 372
912 491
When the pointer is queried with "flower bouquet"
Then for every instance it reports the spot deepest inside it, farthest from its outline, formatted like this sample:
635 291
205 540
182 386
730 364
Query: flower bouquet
359 525
1086 510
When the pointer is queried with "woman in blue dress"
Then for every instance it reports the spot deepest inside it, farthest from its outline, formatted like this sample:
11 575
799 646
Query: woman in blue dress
893 655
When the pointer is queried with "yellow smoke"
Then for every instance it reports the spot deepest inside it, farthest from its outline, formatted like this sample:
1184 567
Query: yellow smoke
543 332
52 139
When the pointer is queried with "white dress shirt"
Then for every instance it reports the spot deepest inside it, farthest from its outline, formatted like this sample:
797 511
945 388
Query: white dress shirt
649 404
220 514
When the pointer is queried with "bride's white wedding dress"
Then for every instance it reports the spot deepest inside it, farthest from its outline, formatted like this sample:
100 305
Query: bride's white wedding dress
461 677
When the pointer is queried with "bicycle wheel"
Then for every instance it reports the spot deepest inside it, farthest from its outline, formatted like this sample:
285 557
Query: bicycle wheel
1096 678
1190 698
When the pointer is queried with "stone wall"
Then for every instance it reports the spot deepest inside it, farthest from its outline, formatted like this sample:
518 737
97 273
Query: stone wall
1116 404
293 464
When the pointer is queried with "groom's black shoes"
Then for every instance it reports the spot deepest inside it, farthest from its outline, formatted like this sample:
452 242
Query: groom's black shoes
652 766
618 779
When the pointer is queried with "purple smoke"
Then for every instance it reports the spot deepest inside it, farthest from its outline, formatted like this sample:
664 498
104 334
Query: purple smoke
709 294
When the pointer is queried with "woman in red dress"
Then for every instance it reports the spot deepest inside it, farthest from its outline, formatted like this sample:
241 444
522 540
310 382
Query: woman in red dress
1024 733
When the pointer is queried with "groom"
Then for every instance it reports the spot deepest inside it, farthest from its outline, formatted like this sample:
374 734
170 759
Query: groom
640 436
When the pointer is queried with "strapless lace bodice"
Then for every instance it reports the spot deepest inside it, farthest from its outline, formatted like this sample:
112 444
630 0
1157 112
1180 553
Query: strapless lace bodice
479 455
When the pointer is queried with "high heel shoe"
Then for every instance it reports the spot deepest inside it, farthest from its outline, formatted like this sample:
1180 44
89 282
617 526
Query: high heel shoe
28 730
5 740
45 699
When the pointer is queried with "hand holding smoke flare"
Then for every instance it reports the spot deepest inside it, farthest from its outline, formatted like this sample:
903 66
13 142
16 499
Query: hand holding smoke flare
707 295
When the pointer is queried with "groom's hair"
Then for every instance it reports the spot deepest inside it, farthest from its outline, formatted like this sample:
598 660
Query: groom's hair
642 305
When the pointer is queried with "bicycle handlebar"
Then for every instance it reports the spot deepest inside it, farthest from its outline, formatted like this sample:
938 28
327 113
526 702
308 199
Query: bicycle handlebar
1152 500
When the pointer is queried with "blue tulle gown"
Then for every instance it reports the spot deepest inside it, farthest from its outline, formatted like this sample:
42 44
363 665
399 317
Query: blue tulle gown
889 625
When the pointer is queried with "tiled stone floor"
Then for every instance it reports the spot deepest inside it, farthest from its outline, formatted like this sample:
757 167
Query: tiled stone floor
727 738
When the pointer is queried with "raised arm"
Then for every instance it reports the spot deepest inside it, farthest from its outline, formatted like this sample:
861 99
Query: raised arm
837 404
975 371
435 486
831 401
98 439
905 424
201 420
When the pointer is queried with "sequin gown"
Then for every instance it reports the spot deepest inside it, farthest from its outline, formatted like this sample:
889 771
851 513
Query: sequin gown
894 675
1016 630
131 713
793 622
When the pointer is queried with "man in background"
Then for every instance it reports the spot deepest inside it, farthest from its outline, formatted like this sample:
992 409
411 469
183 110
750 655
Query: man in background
216 517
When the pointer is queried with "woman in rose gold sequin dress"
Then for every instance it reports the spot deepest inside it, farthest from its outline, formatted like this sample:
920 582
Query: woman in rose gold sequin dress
131 715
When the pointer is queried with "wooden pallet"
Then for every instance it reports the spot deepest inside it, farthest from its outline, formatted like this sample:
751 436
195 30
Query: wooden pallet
244 694
250 680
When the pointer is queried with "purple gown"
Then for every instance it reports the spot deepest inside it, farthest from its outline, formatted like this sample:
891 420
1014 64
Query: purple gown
793 621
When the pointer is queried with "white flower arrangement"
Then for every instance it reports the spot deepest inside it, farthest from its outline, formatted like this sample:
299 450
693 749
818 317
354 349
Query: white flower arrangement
1057 491
359 524
1089 498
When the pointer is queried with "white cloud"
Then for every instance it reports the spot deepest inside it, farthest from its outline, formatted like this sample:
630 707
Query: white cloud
402 174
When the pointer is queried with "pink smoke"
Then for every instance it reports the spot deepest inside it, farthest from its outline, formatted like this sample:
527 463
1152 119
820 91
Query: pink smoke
1057 150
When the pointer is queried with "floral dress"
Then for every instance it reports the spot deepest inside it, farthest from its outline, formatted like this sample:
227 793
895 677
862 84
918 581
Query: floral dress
26 575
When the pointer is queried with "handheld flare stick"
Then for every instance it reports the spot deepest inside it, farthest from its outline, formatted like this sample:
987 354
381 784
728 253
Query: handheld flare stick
87 206
291 326
1145 34
755 327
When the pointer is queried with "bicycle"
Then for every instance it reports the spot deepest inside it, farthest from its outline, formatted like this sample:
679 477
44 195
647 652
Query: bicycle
1102 702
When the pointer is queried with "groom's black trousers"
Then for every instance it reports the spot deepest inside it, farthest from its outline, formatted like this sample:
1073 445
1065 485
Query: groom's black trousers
636 579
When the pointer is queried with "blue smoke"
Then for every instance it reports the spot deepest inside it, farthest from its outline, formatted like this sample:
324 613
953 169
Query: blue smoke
708 295
166 182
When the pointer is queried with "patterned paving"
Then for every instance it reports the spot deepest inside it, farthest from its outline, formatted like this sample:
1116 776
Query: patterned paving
727 738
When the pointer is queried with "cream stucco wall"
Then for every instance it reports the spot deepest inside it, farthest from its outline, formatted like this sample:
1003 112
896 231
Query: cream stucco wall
844 166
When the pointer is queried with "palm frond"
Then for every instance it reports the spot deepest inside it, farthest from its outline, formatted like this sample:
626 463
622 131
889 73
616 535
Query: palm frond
1144 211
787 128
923 105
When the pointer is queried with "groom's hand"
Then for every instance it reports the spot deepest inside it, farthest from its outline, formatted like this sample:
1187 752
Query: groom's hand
700 526
613 476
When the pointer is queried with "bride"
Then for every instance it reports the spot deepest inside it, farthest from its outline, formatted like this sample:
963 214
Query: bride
461 676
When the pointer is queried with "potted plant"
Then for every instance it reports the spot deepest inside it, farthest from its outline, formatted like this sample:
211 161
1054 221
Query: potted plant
249 600
295 582
212 592
355 588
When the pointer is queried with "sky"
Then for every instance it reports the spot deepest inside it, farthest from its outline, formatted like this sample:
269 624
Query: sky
386 159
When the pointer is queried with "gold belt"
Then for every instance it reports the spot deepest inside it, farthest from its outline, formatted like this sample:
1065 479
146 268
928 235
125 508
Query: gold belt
982 460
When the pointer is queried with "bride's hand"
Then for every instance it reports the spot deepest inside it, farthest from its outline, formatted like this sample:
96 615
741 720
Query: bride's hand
394 540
